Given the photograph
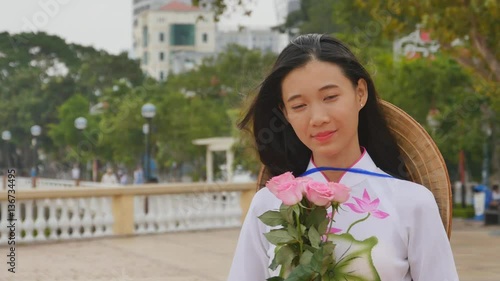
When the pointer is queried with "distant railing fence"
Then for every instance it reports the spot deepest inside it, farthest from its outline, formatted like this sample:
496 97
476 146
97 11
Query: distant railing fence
44 183
52 212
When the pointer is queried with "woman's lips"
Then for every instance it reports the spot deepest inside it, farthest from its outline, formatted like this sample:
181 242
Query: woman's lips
323 136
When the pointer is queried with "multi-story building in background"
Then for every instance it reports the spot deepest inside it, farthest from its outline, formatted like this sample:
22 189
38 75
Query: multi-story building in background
173 38
140 6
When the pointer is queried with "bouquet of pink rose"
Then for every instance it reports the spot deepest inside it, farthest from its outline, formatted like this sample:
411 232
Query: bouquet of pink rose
302 247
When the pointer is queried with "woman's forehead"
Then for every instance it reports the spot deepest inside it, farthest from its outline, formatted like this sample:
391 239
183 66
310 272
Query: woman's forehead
314 76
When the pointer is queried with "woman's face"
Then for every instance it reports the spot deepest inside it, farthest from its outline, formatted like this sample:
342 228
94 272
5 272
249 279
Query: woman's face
322 106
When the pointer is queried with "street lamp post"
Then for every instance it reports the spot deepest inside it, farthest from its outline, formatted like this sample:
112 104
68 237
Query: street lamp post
148 111
6 136
80 125
485 171
35 132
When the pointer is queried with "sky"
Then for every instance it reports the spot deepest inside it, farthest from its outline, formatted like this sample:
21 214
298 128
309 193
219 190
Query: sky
103 24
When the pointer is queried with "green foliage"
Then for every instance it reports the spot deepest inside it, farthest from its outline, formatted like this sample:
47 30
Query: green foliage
312 17
476 22
272 218
466 213
304 252
201 103
419 86
39 73
300 250
467 31
75 146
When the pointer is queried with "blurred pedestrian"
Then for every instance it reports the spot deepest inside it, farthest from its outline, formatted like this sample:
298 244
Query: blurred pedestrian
122 177
109 176
495 202
138 175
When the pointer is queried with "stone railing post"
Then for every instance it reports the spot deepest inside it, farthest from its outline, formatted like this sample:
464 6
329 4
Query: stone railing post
246 199
123 213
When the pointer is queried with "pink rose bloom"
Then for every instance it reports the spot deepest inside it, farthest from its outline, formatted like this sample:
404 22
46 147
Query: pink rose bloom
290 192
319 193
342 192
303 181
286 188
274 183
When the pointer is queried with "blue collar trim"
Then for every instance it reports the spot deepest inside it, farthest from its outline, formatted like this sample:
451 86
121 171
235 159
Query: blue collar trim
349 170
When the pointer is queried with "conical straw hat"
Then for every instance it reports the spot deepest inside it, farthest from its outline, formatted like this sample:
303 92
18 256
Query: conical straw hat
423 160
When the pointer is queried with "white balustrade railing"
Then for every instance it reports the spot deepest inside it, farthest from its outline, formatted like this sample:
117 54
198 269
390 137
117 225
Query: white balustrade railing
80 213
44 183
57 219
181 212
22 183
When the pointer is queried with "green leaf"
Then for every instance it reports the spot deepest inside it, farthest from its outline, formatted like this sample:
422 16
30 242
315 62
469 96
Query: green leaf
287 213
328 276
328 257
323 226
314 237
317 260
302 229
306 257
279 236
272 218
285 256
274 264
296 233
355 255
276 278
316 217
328 248
300 273
309 248
292 230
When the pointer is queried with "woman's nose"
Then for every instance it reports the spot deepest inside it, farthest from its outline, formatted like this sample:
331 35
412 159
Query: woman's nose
319 116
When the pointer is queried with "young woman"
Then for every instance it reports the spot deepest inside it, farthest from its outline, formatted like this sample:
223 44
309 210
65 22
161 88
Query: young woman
319 108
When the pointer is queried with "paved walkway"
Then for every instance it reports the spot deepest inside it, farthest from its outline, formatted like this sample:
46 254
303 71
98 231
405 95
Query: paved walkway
201 256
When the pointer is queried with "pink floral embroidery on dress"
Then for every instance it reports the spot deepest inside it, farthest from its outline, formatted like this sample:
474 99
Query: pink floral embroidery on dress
366 205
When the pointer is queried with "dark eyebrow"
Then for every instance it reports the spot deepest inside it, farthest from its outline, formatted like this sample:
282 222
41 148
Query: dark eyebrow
293 98
326 87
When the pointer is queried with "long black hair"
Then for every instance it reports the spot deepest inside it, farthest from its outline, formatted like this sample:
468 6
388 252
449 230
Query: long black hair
279 148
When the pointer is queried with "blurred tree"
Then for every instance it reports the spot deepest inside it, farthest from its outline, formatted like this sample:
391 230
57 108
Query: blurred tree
468 31
40 72
441 89
74 146
189 106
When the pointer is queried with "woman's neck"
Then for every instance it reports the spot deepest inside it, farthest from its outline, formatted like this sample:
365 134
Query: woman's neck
344 159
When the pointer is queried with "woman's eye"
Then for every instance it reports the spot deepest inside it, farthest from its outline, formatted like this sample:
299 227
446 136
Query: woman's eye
331 97
299 106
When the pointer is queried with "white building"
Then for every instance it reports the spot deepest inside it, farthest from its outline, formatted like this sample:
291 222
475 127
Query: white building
140 6
173 38
264 40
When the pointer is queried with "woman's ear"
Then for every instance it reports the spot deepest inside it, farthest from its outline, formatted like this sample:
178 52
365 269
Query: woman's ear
362 92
